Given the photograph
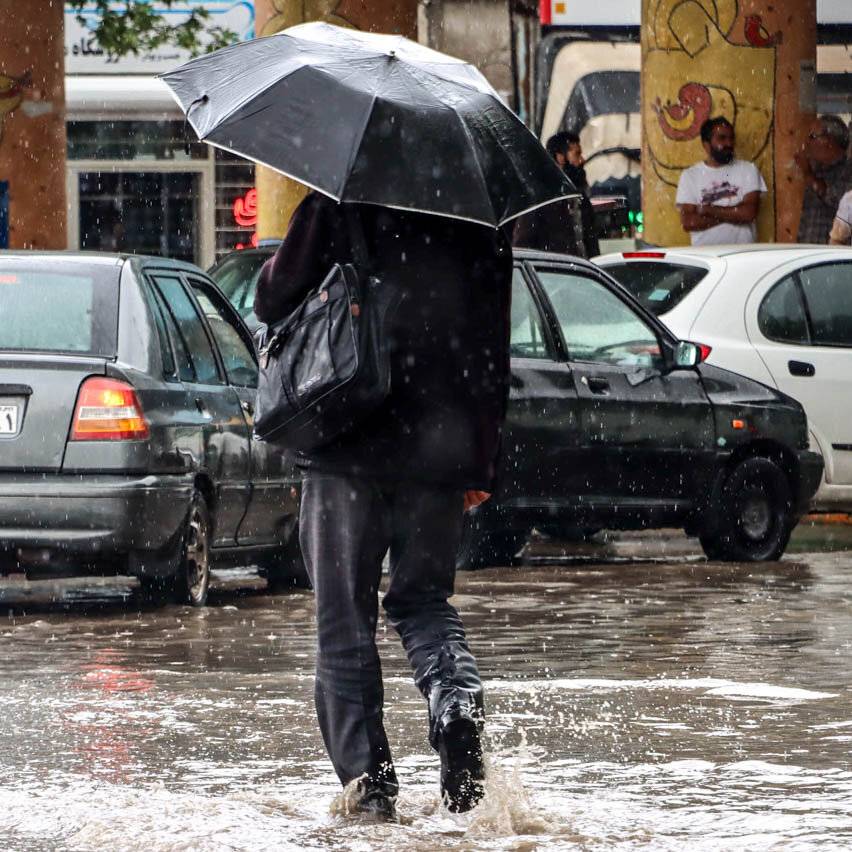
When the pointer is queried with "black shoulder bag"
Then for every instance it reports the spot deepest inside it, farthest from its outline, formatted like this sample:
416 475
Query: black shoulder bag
326 366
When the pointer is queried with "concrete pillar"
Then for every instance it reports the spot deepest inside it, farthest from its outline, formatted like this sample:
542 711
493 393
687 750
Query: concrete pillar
752 61
32 124
277 195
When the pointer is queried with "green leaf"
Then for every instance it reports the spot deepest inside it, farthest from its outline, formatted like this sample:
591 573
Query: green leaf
140 29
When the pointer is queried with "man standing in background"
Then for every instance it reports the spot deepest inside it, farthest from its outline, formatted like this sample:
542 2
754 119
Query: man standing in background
827 170
719 198
554 227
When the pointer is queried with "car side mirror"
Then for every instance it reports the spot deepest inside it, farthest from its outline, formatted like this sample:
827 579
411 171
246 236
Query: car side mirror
687 355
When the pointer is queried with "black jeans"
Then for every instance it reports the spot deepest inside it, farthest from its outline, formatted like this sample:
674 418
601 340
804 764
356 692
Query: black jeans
346 526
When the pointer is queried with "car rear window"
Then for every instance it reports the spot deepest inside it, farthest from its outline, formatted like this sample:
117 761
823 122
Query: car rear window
58 306
658 286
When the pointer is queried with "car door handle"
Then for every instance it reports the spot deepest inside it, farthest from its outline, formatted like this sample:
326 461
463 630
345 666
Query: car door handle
247 407
801 368
596 384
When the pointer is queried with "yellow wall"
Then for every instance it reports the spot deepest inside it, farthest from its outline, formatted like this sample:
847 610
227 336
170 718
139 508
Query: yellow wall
277 195
706 58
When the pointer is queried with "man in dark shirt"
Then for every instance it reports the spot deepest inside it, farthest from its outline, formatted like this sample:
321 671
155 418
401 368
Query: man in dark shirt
827 169
401 481
566 227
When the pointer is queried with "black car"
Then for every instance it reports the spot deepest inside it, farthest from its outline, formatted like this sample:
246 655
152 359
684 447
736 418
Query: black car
127 387
236 275
613 423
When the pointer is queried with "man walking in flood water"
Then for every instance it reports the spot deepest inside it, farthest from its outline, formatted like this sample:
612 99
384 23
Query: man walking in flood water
401 482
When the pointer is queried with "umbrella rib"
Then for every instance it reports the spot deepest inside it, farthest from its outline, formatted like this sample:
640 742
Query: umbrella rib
278 169
356 148
228 115
475 158
537 206
353 154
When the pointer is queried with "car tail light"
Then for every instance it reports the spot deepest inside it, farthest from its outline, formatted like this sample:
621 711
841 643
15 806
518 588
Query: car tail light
631 255
108 410
703 352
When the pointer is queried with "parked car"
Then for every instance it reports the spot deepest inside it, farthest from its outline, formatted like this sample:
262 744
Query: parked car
615 423
779 314
126 395
236 275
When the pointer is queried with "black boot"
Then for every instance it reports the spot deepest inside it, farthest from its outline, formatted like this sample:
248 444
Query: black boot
462 766
376 800
455 724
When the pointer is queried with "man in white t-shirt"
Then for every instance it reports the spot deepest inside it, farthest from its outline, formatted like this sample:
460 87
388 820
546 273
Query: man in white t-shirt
719 198
841 231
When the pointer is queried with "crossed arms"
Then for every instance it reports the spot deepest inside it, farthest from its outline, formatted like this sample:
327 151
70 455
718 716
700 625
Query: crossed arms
700 217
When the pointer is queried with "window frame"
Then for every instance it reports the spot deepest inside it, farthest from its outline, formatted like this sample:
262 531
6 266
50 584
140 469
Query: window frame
551 343
803 296
180 275
237 322
167 347
796 276
803 303
665 340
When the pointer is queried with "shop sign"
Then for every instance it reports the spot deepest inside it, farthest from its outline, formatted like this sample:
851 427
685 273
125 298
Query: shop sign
245 216
84 56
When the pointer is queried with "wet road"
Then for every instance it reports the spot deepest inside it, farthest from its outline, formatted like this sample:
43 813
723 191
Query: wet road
635 703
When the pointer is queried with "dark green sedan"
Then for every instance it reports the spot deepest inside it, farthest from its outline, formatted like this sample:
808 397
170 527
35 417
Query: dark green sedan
127 389
614 423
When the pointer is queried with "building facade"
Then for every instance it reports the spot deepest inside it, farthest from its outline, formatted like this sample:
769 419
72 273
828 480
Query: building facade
135 178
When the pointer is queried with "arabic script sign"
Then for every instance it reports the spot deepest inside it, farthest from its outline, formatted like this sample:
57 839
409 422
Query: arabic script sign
84 56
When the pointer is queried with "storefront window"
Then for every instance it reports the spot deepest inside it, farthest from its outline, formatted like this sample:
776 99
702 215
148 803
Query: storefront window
134 188
133 140
140 212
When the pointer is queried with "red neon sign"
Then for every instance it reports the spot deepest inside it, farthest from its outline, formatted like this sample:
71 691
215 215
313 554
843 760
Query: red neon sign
245 209
245 216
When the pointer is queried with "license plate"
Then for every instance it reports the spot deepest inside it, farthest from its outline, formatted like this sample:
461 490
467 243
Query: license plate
8 419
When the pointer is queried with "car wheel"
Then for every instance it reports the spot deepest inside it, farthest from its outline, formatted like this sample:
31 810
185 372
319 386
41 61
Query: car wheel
286 568
192 581
481 548
755 515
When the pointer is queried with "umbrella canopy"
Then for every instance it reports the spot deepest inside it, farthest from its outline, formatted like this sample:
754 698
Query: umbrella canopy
370 118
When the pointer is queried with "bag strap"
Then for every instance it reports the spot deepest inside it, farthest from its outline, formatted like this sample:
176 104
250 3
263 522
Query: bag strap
360 253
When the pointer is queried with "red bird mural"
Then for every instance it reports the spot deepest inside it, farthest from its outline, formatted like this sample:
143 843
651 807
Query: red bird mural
756 34
683 120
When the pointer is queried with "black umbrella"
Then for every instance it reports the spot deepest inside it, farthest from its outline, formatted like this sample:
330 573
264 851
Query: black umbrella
371 118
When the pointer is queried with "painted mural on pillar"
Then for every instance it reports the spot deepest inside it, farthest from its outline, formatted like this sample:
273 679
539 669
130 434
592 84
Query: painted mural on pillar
288 13
11 95
695 68
278 196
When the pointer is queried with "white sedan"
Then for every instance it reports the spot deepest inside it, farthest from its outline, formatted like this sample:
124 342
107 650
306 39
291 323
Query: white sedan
781 314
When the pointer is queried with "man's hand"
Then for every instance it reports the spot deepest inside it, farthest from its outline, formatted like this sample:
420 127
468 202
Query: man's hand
693 217
472 499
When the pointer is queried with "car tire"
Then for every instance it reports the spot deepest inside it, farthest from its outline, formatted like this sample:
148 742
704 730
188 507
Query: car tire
483 548
192 581
755 514
286 568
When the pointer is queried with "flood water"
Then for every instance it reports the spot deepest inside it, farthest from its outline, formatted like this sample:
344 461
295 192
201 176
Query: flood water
634 703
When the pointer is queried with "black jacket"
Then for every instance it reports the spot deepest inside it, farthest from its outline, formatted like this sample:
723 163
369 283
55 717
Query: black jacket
449 339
